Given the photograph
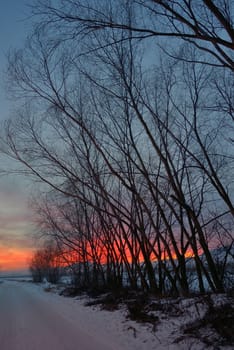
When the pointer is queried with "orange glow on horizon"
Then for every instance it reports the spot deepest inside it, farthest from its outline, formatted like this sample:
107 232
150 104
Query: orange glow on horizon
13 259
101 254
17 258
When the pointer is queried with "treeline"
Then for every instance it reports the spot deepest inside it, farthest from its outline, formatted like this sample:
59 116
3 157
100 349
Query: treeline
47 264
131 135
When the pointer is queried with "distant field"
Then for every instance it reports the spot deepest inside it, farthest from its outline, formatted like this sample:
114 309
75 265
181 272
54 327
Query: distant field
14 277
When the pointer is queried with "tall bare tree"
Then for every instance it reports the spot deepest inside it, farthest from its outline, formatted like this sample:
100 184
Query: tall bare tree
135 150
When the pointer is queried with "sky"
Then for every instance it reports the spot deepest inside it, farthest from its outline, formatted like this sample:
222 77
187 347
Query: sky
16 219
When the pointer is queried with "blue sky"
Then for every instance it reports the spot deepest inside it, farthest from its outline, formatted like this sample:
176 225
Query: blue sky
15 217
14 26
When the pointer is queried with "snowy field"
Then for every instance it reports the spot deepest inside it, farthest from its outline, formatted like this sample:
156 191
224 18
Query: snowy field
38 306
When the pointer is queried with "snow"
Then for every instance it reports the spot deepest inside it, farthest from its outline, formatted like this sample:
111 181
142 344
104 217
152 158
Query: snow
91 328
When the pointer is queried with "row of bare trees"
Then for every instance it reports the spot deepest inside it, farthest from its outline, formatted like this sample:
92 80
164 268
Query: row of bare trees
46 263
131 136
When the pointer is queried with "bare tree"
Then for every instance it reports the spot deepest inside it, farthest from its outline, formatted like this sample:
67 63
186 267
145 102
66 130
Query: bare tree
135 155
206 25
46 263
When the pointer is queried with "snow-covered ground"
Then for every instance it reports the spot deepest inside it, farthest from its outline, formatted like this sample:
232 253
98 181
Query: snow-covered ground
75 326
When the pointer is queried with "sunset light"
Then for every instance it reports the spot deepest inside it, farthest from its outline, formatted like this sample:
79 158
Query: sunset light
116 174
14 259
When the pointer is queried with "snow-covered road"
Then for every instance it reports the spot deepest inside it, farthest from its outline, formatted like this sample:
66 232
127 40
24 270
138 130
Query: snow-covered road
33 319
29 321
